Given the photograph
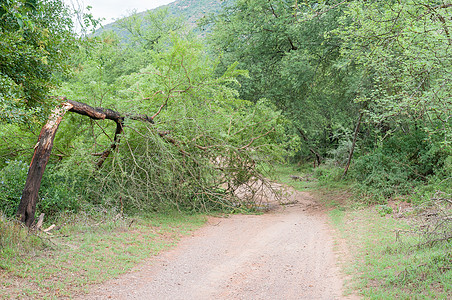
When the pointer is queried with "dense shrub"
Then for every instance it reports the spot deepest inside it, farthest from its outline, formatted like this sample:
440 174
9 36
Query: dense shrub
381 175
400 164
12 181
328 173
55 194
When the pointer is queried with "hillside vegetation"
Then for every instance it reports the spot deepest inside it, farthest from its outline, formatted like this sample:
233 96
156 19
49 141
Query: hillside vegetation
189 12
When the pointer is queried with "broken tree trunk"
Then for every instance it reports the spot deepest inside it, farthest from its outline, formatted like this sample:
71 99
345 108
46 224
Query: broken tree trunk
27 206
29 199
99 113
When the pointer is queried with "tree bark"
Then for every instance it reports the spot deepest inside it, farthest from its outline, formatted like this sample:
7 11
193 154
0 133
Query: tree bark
27 206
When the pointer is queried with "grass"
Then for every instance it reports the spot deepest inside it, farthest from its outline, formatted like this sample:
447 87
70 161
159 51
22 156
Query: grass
380 263
386 266
283 173
84 251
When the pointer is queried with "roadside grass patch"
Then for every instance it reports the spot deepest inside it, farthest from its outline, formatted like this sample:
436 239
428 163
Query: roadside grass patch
387 265
86 251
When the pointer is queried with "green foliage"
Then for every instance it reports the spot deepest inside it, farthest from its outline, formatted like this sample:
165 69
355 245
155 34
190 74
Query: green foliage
384 210
36 39
204 142
401 163
328 173
403 49
148 30
59 193
12 181
311 69
293 63
438 185
381 175
56 193
187 13
210 134
323 63
402 52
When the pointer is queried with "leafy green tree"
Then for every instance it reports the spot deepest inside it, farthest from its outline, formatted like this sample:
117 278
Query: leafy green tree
293 62
36 39
403 52
146 31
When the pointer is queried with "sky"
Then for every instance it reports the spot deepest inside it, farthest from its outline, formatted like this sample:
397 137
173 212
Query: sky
115 9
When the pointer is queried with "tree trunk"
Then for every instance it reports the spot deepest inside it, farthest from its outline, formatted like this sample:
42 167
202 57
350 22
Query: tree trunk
350 155
318 158
29 199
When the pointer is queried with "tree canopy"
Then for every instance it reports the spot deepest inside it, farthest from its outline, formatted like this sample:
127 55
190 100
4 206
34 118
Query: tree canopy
36 39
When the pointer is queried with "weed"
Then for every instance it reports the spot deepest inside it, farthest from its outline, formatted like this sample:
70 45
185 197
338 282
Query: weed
384 210
385 267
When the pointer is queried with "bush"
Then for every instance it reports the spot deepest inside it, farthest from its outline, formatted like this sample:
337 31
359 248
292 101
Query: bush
400 165
328 173
12 181
55 195
381 175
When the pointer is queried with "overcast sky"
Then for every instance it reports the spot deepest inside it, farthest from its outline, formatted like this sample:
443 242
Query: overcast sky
114 9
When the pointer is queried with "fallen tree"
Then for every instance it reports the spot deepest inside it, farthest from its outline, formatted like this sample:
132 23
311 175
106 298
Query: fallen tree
214 171
205 144
27 206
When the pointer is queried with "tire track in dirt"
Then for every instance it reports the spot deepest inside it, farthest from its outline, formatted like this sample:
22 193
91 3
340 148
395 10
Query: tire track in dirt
283 254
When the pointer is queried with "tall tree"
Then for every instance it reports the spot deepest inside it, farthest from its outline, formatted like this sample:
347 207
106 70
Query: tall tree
403 50
294 62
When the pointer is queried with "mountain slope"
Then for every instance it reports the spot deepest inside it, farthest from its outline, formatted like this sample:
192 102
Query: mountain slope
190 10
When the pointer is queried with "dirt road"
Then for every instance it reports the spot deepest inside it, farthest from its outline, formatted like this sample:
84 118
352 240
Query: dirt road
286 253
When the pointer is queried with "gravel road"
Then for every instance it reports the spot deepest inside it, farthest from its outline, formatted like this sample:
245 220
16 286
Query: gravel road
286 253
